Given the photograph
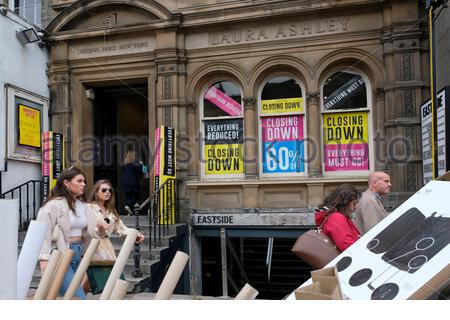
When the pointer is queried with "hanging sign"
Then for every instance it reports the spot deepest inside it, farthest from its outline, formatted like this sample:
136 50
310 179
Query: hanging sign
281 106
29 126
52 159
223 101
223 148
165 169
346 140
443 145
283 148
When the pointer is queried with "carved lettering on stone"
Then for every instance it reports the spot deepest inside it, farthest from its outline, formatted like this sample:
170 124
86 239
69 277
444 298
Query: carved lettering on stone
284 31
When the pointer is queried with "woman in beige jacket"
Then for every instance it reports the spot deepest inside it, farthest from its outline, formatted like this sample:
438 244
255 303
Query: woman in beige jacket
70 224
102 205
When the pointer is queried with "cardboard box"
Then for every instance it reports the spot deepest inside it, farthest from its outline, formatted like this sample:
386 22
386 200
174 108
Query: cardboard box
325 286
405 256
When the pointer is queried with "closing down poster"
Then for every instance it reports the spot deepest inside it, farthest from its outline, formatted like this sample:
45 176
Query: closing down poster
405 256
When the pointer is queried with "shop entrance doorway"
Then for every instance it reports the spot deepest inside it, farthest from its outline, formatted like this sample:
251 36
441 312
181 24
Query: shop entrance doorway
121 124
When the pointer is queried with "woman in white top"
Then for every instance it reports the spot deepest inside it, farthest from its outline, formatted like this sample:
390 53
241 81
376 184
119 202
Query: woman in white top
102 204
70 224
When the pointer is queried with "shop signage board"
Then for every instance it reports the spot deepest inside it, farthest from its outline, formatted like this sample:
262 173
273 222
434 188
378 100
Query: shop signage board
443 132
52 159
346 141
223 148
405 256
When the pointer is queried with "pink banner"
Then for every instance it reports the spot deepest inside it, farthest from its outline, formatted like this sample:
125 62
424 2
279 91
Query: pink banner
282 128
157 150
46 153
345 157
223 101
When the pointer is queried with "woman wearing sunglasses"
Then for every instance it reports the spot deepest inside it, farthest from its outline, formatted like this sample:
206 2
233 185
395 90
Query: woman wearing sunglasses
102 205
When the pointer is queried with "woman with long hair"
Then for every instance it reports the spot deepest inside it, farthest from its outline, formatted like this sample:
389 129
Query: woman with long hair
102 204
70 224
335 216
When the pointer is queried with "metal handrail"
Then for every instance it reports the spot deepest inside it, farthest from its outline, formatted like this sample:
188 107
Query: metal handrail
25 203
162 212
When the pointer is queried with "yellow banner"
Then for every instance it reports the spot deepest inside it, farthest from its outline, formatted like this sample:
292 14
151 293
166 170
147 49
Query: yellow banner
346 128
29 126
224 159
281 106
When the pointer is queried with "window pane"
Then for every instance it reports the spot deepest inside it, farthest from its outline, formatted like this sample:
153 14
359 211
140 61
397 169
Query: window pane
222 99
281 87
344 90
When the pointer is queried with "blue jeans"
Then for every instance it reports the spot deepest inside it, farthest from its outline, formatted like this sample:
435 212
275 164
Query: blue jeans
77 248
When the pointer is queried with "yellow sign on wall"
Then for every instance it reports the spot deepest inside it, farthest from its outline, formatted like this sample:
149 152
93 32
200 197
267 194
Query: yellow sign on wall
224 158
29 126
281 106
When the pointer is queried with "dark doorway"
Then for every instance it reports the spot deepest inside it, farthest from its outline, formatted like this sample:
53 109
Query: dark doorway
120 124
248 263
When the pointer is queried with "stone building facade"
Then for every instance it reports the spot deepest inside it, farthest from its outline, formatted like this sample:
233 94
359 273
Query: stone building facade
177 49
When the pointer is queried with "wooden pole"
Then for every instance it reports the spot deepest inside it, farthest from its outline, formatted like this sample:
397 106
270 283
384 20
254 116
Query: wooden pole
171 278
120 263
59 274
48 275
120 290
81 270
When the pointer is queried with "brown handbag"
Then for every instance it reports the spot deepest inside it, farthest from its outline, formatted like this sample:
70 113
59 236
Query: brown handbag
315 248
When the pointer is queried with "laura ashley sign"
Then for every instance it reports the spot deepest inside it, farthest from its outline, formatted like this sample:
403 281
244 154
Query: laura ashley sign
292 30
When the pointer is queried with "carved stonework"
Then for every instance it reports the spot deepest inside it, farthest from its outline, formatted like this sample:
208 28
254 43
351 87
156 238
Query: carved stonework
411 179
167 88
407 66
313 98
191 108
249 103
58 123
167 116
379 93
408 102
412 138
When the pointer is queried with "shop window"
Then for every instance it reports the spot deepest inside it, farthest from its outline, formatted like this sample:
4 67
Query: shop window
346 129
223 130
29 9
281 113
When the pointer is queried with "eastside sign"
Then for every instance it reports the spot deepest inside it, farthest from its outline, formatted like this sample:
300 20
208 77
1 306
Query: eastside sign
443 131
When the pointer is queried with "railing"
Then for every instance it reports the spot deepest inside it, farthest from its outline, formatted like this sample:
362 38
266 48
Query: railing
30 200
163 210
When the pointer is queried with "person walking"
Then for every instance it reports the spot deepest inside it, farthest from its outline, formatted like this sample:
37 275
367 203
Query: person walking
70 224
370 210
335 216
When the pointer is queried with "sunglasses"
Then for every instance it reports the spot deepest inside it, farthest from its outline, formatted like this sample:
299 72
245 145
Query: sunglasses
106 189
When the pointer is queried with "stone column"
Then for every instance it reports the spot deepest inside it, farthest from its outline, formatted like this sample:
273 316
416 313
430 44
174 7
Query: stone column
313 142
379 134
250 138
193 160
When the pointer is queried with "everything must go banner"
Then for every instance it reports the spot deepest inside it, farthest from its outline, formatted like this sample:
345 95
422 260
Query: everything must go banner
164 169
52 159
283 146
223 148
346 137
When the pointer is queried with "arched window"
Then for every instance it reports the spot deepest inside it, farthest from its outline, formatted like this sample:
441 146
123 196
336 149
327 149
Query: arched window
223 131
281 113
346 126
